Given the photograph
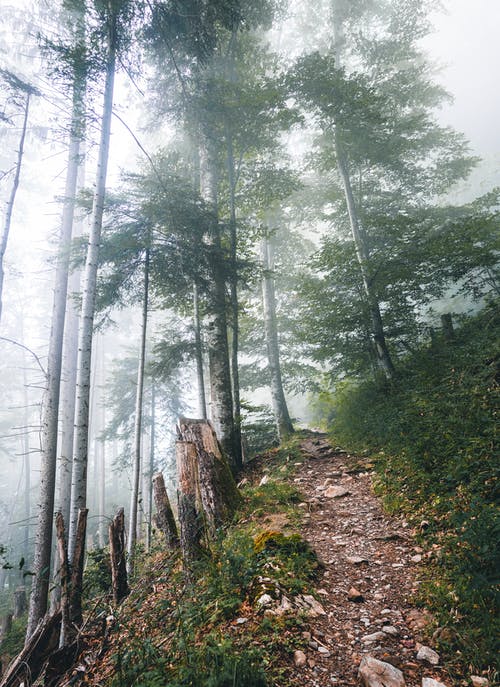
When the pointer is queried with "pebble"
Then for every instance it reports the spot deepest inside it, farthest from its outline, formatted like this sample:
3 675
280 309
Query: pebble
299 658
374 637
425 653
336 492
390 630
324 651
264 600
354 595
430 682
478 681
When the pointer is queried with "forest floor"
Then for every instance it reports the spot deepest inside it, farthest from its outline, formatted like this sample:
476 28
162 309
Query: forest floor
372 571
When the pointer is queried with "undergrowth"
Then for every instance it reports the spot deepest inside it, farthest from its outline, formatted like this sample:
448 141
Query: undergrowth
208 630
434 432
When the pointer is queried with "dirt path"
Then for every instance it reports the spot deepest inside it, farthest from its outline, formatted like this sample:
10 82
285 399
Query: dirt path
369 553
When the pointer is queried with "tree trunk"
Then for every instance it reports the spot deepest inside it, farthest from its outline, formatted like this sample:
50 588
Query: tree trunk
280 408
132 532
384 359
202 405
19 602
217 493
50 403
10 203
216 331
233 238
363 256
117 555
63 575
79 476
189 520
76 586
164 515
151 467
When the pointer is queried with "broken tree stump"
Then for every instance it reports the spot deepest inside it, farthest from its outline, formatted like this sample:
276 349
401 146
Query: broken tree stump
164 515
218 492
190 521
117 554
63 576
76 580
28 665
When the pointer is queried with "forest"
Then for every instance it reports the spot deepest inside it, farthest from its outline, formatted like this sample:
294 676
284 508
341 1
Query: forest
249 289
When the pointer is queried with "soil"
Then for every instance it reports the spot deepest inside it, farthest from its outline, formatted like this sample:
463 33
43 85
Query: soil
366 551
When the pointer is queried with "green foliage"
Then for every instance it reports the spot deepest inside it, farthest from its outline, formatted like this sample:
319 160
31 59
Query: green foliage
13 642
437 427
259 429
97 573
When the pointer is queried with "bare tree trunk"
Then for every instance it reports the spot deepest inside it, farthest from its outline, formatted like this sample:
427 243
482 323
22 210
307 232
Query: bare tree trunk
164 515
218 494
151 467
132 532
117 555
384 359
202 405
76 584
216 332
10 203
233 237
189 520
50 403
63 577
79 476
280 408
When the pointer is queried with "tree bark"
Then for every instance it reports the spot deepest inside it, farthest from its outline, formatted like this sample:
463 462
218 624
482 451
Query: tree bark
280 408
132 532
78 558
80 450
19 602
62 551
189 514
10 203
202 405
152 448
164 515
117 555
50 403
217 492
216 331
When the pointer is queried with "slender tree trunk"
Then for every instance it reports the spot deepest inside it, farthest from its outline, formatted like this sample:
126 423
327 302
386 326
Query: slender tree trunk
79 475
384 359
280 408
10 203
164 515
151 466
27 469
233 237
132 532
218 352
202 405
50 403
117 554
363 256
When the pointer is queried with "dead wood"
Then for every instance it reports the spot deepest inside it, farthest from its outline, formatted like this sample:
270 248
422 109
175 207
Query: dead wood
164 515
117 554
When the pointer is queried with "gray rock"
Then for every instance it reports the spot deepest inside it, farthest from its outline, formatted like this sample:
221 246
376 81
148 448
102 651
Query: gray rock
336 492
425 653
323 650
430 682
265 600
374 637
374 673
390 630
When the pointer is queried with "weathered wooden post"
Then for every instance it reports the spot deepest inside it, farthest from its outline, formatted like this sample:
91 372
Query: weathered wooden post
164 515
117 554
189 513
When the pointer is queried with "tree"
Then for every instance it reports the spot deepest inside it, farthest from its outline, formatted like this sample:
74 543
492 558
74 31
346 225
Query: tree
379 134
21 94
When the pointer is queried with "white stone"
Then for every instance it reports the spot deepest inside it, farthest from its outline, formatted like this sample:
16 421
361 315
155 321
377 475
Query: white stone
315 607
264 480
430 682
374 637
374 673
336 492
390 630
265 600
478 681
425 653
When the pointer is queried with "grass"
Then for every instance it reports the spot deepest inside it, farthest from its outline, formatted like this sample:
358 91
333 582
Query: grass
434 434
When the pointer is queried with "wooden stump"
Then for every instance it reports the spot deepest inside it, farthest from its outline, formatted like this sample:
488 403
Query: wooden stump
76 581
117 553
62 553
218 492
188 503
5 625
164 516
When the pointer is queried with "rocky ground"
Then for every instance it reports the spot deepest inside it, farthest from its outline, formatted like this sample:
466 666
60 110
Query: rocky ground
372 570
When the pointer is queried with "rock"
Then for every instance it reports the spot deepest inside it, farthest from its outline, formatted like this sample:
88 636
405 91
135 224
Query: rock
336 492
478 681
264 480
390 630
354 595
416 559
323 651
430 682
374 673
374 637
425 653
315 608
417 620
264 600
356 560
299 658
241 621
